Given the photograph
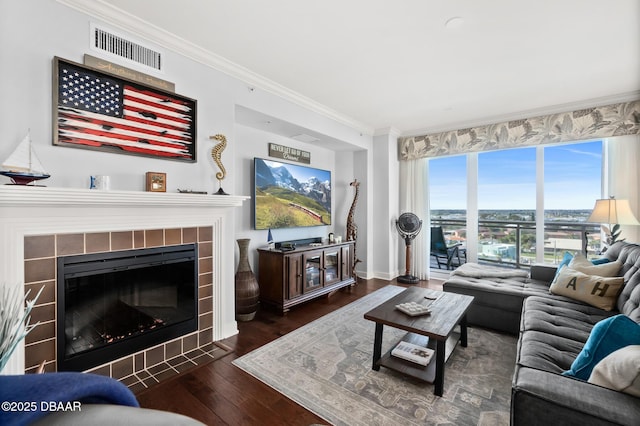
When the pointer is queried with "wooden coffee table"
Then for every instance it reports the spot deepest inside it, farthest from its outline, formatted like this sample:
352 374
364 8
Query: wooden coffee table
435 331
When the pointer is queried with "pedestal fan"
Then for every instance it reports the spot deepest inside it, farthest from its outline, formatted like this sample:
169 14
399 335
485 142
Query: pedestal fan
409 227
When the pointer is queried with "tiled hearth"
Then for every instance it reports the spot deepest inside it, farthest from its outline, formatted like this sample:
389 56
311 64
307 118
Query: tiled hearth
37 224
142 368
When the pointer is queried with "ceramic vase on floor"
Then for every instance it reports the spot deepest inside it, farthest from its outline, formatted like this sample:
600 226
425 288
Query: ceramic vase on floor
247 289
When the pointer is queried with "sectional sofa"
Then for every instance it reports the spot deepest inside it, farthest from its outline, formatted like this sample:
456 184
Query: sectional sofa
556 333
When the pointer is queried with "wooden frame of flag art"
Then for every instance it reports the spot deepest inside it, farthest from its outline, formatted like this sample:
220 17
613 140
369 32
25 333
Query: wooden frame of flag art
100 111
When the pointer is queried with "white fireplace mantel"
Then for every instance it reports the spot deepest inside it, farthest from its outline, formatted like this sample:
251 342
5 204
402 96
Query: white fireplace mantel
37 196
31 210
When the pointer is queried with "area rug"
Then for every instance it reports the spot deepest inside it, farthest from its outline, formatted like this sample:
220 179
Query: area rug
325 366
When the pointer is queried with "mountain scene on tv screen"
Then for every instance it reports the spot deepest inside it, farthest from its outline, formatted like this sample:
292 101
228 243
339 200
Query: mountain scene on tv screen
285 201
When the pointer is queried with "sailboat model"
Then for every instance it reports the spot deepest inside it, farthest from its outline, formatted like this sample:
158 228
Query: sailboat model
23 166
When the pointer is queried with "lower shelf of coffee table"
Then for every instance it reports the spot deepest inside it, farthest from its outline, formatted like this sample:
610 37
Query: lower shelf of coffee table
425 373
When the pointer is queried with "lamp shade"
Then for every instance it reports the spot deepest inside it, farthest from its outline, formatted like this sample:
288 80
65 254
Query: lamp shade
613 211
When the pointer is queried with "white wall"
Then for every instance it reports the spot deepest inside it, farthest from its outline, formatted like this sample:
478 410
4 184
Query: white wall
255 144
622 179
32 33
386 206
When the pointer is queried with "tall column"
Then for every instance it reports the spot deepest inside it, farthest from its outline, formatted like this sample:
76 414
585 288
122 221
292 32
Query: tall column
385 205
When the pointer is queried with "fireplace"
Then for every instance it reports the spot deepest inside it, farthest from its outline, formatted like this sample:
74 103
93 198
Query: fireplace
40 224
116 303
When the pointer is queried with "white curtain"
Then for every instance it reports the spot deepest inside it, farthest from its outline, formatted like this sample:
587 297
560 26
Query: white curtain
622 179
414 185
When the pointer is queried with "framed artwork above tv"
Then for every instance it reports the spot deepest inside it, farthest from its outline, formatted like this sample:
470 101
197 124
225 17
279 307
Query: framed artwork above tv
290 195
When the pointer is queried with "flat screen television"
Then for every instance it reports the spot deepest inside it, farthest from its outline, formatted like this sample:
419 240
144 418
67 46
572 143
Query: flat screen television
290 195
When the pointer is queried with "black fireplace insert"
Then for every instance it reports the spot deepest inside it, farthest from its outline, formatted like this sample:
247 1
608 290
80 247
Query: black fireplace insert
118 303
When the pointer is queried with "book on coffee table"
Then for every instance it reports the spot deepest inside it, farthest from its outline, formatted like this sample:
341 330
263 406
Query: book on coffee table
414 353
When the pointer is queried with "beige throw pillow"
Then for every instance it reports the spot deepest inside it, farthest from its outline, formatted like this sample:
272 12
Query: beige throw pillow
582 264
601 292
619 371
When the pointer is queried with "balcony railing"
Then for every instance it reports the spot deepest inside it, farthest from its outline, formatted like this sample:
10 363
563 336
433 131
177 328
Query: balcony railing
513 243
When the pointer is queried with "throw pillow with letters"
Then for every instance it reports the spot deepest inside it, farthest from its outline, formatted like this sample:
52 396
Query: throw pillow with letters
601 292
582 264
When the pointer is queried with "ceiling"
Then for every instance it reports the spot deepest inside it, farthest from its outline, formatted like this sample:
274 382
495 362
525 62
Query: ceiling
382 64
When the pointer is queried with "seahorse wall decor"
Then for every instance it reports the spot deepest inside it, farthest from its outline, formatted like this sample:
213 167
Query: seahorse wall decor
352 228
216 154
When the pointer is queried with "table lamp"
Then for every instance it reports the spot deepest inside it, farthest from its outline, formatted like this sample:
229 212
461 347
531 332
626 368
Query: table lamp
614 213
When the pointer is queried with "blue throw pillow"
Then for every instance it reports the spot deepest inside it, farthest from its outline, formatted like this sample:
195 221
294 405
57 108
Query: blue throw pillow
606 337
566 259
600 261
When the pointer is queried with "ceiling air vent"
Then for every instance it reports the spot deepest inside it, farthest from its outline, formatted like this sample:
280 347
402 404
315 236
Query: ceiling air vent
107 41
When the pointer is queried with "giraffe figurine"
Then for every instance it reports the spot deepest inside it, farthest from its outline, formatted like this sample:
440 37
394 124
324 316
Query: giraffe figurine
352 228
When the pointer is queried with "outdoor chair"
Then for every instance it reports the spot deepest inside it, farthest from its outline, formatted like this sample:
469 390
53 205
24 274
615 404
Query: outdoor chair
443 253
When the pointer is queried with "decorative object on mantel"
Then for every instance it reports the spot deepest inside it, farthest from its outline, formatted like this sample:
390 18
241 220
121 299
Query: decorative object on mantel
126 117
190 191
156 182
614 213
247 289
14 321
216 153
23 166
409 226
352 228
102 182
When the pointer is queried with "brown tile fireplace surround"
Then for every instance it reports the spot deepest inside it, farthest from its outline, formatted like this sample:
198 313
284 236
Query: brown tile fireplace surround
28 213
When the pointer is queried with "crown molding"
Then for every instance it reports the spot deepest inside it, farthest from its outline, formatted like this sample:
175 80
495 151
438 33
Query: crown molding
537 112
391 131
141 28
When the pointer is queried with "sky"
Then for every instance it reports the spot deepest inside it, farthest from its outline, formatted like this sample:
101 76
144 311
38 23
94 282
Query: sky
507 178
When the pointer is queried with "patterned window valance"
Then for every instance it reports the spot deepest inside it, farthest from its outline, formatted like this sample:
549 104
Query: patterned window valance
592 123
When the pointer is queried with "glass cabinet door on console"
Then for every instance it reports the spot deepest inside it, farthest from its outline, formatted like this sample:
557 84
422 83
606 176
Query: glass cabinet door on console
331 266
312 270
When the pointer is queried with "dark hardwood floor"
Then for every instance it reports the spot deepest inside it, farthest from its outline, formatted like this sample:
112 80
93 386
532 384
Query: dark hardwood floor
219 393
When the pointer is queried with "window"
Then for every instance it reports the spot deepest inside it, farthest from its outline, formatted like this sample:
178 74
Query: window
448 196
572 183
448 184
506 205
564 180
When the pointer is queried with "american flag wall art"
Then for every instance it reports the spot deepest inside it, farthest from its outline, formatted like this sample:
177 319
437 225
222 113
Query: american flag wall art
96 110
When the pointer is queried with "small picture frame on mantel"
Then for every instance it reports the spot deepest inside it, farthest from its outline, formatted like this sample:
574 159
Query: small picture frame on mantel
156 182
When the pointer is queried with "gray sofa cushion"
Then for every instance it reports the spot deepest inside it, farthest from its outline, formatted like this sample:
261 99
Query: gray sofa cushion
553 332
543 398
629 299
561 318
497 302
